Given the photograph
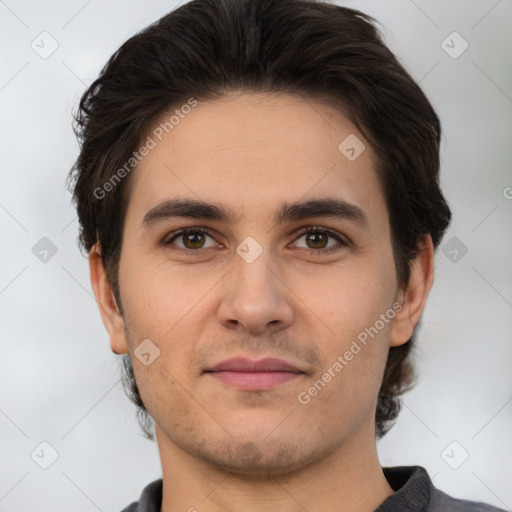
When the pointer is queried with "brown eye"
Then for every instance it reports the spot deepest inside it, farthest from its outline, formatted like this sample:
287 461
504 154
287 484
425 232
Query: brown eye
316 239
191 239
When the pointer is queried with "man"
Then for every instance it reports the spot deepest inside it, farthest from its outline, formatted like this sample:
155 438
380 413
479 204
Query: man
258 193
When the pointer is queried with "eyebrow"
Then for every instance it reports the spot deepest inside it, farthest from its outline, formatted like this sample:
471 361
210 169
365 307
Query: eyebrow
291 211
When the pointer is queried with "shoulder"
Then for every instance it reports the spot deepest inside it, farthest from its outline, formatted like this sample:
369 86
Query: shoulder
415 492
442 502
131 508
150 500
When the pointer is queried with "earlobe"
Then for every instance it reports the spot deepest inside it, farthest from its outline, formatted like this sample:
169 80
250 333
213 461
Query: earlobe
414 296
109 311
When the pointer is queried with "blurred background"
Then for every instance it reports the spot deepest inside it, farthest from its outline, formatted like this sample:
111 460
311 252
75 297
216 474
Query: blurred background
59 381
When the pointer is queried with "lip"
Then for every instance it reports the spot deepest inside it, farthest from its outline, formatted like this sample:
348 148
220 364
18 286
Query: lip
254 375
240 364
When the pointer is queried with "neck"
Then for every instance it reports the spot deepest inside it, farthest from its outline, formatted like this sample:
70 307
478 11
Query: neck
349 479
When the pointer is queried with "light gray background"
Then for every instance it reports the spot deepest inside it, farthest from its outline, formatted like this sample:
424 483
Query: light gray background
59 381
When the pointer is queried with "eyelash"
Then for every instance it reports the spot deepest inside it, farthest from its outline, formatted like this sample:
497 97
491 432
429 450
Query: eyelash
311 229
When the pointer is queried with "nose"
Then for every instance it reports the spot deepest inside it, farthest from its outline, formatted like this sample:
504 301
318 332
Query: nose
255 296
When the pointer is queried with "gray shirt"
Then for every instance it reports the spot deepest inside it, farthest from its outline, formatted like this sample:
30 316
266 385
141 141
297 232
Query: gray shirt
414 492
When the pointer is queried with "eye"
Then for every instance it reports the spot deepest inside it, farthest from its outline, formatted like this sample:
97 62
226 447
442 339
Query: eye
191 239
316 239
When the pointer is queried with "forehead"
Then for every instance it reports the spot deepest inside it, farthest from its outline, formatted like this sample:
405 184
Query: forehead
256 152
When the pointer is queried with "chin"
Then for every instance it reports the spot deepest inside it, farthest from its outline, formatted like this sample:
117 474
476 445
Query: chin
247 455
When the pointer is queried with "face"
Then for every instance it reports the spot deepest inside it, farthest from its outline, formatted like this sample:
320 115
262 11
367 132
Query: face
247 280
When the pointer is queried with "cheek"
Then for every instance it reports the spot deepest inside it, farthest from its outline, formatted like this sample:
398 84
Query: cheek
356 298
166 306
163 394
157 298
359 312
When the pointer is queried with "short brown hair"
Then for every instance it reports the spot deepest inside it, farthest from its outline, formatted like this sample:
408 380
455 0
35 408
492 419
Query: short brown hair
206 49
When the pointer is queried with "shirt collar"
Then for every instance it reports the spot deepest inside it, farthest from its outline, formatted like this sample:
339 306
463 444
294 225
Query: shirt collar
411 484
412 487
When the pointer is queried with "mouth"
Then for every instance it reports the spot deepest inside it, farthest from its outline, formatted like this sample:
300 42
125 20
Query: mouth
254 375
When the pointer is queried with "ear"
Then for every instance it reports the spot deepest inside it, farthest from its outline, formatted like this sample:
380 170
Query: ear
414 297
110 314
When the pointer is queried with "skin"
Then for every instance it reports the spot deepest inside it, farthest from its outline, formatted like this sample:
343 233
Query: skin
226 449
